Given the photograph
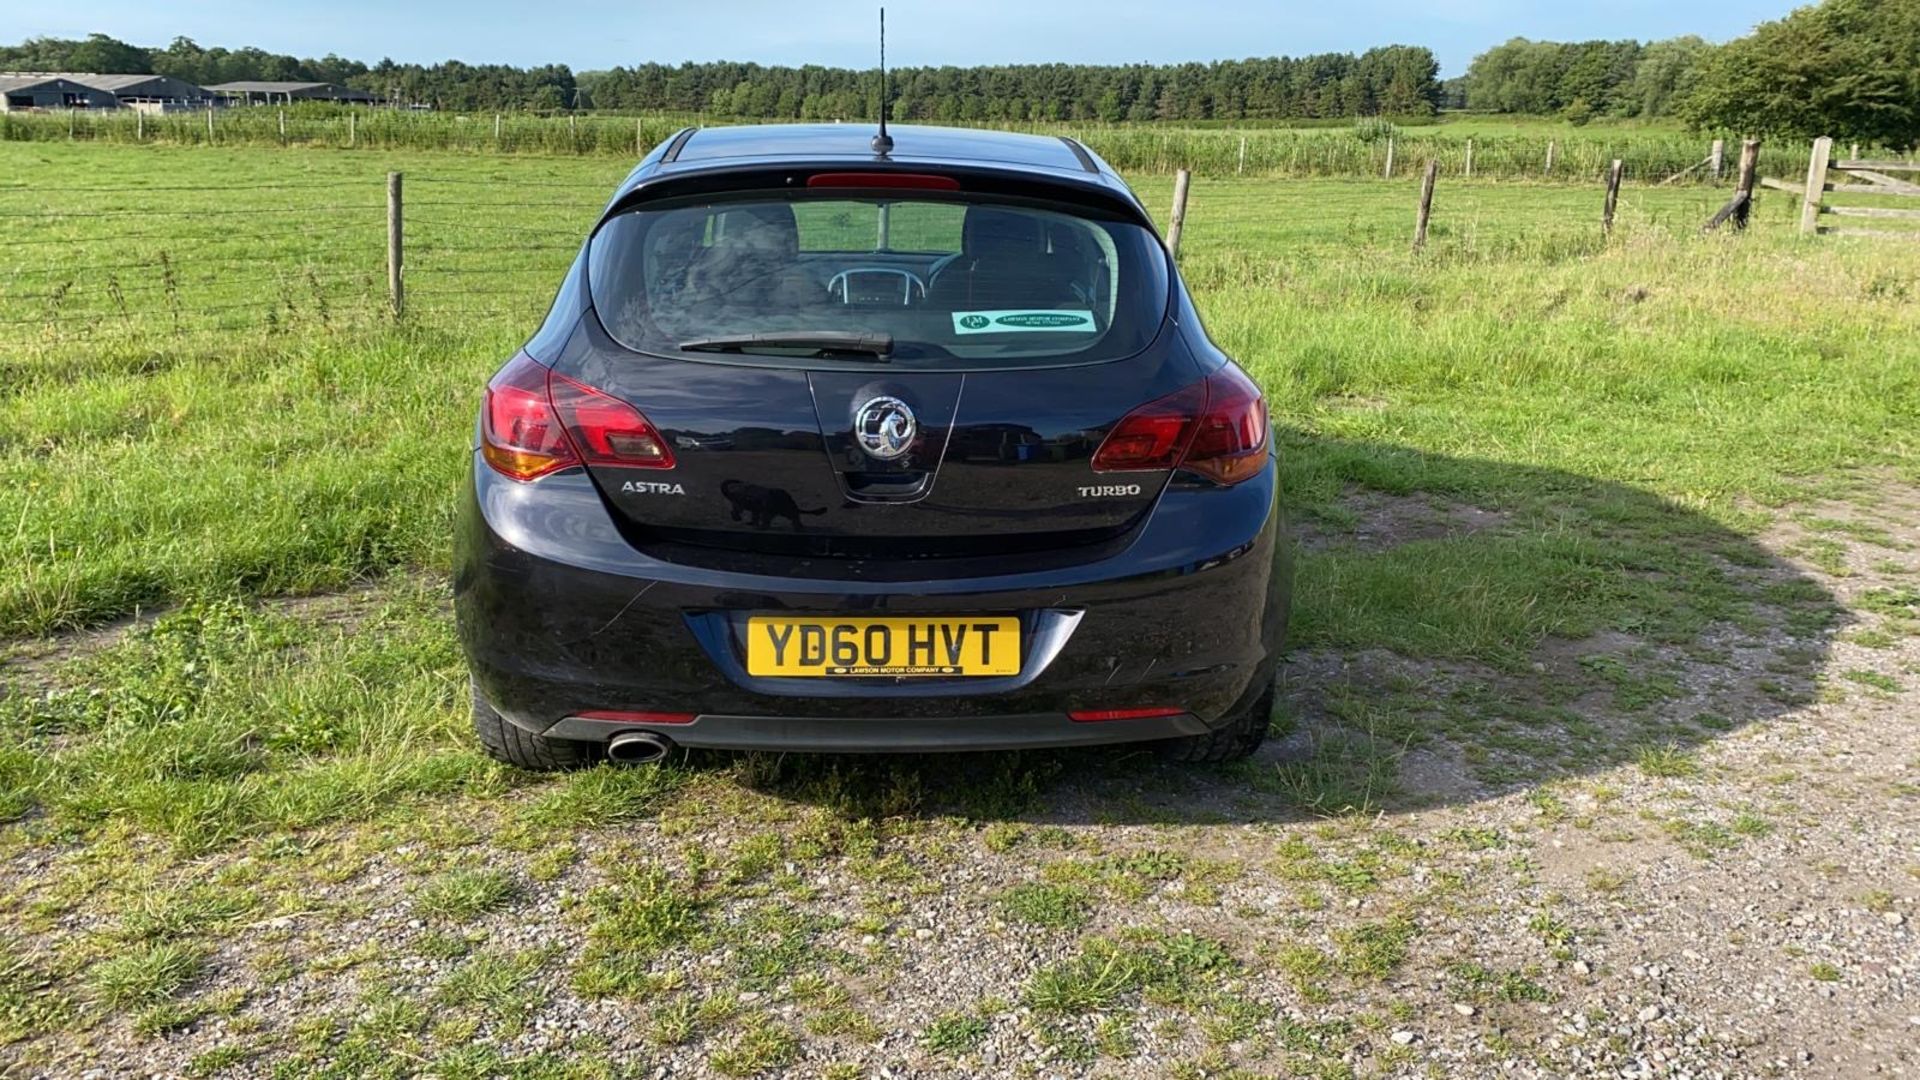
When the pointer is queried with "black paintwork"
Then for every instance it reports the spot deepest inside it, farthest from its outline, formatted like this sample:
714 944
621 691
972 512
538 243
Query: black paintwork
580 592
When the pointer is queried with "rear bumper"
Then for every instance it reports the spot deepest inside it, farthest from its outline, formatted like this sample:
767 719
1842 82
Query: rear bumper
559 616
904 735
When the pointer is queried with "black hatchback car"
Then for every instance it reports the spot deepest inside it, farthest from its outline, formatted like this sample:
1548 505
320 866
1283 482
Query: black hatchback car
823 448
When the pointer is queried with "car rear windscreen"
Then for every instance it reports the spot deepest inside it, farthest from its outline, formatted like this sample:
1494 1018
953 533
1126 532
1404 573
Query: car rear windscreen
953 282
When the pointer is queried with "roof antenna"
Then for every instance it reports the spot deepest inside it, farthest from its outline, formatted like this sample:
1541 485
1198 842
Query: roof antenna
883 142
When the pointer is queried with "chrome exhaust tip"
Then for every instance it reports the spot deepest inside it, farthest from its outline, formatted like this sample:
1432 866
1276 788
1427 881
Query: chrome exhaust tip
638 748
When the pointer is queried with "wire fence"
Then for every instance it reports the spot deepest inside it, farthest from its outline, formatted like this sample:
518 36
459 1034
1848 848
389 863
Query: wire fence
1352 151
94 262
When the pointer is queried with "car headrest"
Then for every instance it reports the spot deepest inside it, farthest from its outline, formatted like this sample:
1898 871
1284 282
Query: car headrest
762 227
992 233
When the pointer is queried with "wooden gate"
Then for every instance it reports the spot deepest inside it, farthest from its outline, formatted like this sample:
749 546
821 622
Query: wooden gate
1860 178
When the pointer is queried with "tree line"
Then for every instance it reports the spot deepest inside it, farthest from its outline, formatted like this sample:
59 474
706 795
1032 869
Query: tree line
1847 68
1398 81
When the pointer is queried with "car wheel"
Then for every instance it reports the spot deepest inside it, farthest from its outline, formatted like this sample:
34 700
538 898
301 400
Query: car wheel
506 741
1238 738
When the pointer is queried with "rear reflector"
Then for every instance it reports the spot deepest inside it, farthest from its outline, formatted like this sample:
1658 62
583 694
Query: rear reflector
1216 428
1101 716
916 181
536 422
615 716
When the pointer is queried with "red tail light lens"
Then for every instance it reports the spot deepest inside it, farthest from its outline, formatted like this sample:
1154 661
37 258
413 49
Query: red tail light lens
1151 437
1232 438
537 422
520 436
1217 427
606 430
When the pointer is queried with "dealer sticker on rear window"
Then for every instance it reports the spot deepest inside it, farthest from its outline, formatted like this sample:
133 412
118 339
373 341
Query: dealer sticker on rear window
1010 322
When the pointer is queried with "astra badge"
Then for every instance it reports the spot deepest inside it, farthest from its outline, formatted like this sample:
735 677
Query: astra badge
884 427
651 487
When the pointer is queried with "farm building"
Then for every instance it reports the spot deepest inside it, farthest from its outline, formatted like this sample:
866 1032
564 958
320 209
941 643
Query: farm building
41 91
149 93
86 90
270 93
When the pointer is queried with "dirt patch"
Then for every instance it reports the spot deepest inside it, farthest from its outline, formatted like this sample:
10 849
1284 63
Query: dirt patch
1373 520
31 662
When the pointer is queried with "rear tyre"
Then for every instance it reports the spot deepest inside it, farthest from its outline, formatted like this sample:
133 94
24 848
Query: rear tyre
1238 738
506 741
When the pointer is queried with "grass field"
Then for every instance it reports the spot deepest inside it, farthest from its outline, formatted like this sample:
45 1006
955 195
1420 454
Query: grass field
218 354
208 415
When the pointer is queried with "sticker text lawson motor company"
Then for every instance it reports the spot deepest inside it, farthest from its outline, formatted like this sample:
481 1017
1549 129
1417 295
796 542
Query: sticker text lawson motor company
1022 322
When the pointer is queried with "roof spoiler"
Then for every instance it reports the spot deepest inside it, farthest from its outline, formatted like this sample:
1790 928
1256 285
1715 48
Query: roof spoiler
1093 193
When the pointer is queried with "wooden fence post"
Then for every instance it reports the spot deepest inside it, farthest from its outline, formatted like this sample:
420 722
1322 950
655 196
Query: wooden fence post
283 125
209 123
496 129
1389 173
1242 166
1717 158
1816 185
1613 195
1469 159
1552 144
350 132
139 124
1749 168
1426 204
1179 219
396 289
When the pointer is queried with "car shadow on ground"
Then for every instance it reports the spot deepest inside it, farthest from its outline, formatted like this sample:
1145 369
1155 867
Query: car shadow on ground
1461 627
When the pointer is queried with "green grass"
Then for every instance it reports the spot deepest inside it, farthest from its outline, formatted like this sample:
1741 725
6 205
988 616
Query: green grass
1660 382
459 895
1109 972
326 445
144 975
1873 680
1668 762
1042 904
1624 415
954 1033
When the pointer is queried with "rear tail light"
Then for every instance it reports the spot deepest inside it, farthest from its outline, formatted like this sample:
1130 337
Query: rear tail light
536 422
1153 436
1231 441
606 430
1217 428
520 435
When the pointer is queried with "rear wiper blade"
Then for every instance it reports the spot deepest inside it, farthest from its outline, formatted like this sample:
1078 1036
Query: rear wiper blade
824 342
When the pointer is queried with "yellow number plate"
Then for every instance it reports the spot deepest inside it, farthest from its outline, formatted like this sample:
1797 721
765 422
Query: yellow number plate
777 645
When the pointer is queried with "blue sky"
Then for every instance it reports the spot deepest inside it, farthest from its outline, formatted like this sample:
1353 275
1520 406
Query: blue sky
596 33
